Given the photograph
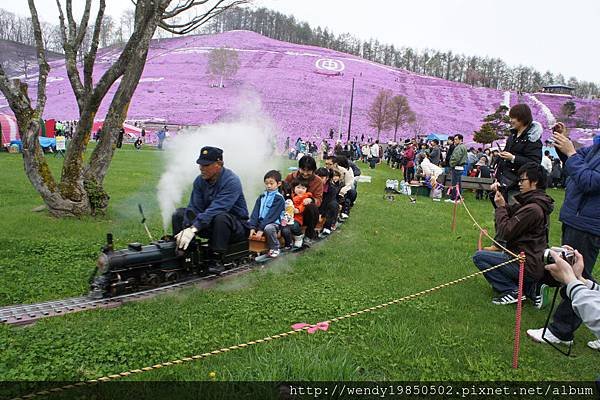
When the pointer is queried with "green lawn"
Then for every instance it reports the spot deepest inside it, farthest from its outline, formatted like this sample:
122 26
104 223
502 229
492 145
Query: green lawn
387 250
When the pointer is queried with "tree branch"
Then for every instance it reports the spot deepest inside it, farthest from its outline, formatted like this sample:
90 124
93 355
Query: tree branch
13 93
72 25
187 27
71 53
182 7
82 30
44 68
90 57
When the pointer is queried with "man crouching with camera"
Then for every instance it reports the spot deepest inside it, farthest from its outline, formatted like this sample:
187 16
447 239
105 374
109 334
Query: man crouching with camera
580 216
524 226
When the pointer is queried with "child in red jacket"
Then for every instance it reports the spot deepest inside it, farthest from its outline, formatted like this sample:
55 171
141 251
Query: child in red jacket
299 195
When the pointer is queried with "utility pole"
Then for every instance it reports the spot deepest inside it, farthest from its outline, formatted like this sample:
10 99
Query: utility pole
351 102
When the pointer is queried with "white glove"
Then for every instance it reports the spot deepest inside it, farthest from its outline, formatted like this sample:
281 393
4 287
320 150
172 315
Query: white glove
185 237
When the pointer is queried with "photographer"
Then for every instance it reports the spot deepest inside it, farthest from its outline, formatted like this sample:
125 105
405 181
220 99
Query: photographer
524 145
583 293
525 228
580 215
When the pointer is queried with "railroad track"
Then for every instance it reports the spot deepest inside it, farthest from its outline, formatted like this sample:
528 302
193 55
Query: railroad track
26 314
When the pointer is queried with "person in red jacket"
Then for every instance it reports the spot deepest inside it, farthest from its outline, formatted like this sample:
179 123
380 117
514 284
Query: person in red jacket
409 166
299 195
306 171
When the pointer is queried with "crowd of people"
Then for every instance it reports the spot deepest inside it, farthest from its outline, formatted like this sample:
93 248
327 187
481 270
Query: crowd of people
521 173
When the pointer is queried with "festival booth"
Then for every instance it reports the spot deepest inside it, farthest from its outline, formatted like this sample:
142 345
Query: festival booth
12 139
131 133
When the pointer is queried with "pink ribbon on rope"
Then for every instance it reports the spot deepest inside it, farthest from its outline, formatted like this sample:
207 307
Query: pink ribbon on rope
323 326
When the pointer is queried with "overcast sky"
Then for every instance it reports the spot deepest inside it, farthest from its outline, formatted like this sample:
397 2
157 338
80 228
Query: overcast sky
553 35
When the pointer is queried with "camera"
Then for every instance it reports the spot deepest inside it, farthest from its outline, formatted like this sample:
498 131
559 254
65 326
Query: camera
565 253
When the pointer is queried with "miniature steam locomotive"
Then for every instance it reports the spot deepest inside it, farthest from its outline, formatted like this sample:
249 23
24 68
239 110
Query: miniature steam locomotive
141 267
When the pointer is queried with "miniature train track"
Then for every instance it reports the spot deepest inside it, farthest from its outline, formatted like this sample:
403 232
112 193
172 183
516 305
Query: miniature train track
25 314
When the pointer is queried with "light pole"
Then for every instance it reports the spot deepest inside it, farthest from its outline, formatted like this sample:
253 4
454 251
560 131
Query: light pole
351 102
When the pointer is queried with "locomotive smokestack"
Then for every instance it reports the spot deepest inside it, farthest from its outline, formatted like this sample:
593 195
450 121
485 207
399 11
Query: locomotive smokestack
109 241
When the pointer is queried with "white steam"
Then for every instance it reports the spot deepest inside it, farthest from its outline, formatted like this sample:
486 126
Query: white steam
248 145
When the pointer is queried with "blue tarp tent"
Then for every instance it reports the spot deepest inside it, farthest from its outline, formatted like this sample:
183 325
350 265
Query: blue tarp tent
438 136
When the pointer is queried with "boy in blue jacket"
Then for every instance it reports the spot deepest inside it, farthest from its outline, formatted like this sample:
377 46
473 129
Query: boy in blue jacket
266 216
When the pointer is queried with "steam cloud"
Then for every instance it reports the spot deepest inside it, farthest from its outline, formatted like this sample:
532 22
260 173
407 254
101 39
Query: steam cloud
248 143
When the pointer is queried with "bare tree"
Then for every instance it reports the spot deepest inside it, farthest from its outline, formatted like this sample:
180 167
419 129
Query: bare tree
399 113
223 62
378 111
418 126
80 190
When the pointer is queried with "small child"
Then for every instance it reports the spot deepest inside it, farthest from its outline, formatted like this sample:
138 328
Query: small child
330 204
266 215
299 194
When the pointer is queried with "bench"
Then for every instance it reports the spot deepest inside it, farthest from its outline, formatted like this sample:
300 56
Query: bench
259 245
467 182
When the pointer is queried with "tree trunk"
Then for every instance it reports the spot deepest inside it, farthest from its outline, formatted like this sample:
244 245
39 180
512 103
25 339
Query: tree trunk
39 175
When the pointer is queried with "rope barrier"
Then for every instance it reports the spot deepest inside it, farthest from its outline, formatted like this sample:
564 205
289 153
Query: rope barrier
484 231
319 325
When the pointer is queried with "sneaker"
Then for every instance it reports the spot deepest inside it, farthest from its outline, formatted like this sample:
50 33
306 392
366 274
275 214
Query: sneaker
542 296
273 253
287 248
507 298
333 227
344 216
326 232
536 336
449 201
594 344
307 241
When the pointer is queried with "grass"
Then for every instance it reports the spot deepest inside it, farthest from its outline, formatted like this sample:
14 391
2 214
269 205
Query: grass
387 250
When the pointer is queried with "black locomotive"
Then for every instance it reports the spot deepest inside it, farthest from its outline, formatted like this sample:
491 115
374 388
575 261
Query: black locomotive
140 267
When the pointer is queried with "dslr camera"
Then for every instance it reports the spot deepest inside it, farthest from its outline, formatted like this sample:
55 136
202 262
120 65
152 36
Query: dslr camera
565 253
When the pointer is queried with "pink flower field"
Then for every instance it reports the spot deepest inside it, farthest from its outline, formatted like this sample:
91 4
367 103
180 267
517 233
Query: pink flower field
302 89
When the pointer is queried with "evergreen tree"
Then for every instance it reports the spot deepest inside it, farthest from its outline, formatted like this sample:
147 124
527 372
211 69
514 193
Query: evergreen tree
498 122
487 134
567 110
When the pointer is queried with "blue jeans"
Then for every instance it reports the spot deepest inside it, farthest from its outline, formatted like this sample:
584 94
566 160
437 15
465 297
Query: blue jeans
456 179
271 231
506 278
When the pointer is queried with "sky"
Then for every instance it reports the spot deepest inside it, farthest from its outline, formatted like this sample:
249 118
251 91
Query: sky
553 35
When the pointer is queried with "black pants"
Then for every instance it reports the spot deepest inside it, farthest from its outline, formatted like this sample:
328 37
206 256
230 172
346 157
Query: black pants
330 211
310 217
409 174
223 230
565 322
349 200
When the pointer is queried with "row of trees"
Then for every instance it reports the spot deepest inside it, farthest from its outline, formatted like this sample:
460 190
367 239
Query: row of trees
390 112
477 71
